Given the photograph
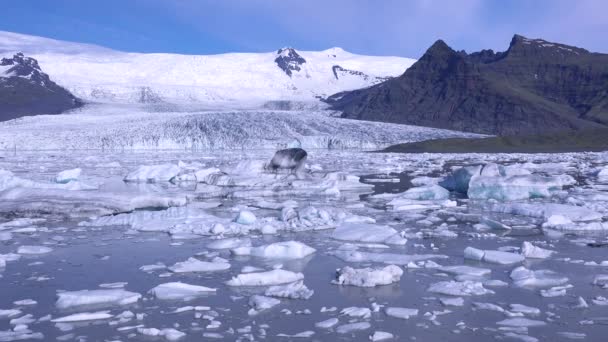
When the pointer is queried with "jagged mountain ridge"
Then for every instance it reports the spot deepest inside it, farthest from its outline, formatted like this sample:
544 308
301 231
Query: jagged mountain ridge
247 80
26 90
534 87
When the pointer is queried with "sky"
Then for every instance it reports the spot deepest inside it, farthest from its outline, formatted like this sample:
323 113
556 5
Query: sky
374 27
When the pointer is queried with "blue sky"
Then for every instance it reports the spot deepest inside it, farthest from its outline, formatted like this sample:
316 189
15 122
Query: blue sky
377 27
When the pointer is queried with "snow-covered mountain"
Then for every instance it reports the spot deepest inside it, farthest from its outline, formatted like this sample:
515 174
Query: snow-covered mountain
97 74
26 90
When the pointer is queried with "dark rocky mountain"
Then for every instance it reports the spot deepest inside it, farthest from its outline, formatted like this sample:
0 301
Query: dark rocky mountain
26 90
289 60
533 87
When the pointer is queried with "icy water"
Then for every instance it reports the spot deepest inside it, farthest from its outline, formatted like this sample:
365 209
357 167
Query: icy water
108 240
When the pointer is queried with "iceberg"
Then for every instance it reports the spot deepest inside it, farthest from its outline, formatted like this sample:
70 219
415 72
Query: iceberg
515 188
260 303
363 232
425 193
523 277
403 313
368 277
277 250
534 252
96 298
494 257
459 288
67 176
295 290
179 291
153 173
274 277
195 265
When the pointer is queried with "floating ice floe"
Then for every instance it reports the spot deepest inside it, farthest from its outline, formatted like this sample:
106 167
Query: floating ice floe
22 334
180 291
274 277
425 193
534 252
67 176
245 217
277 250
367 233
521 322
464 270
260 303
9 181
459 288
196 265
380 336
328 323
515 188
96 298
368 277
526 310
153 173
229 243
355 311
546 210
403 313
178 220
494 257
524 277
34 250
352 327
296 290
84 316
169 334
81 203
386 258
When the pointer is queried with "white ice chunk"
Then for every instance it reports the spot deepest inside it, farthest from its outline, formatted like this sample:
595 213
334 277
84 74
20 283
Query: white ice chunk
180 291
328 323
245 217
83 316
34 250
355 311
229 243
546 210
352 327
403 313
459 288
524 277
260 303
380 336
530 251
528 310
295 290
195 265
515 188
363 232
425 193
277 250
386 258
368 277
98 298
494 257
521 322
274 277
153 173
68 176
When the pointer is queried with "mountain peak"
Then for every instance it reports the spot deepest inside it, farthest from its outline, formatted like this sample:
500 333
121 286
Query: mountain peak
521 45
289 60
439 49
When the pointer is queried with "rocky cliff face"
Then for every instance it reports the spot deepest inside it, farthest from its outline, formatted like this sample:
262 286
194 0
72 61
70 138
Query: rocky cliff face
26 90
533 87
